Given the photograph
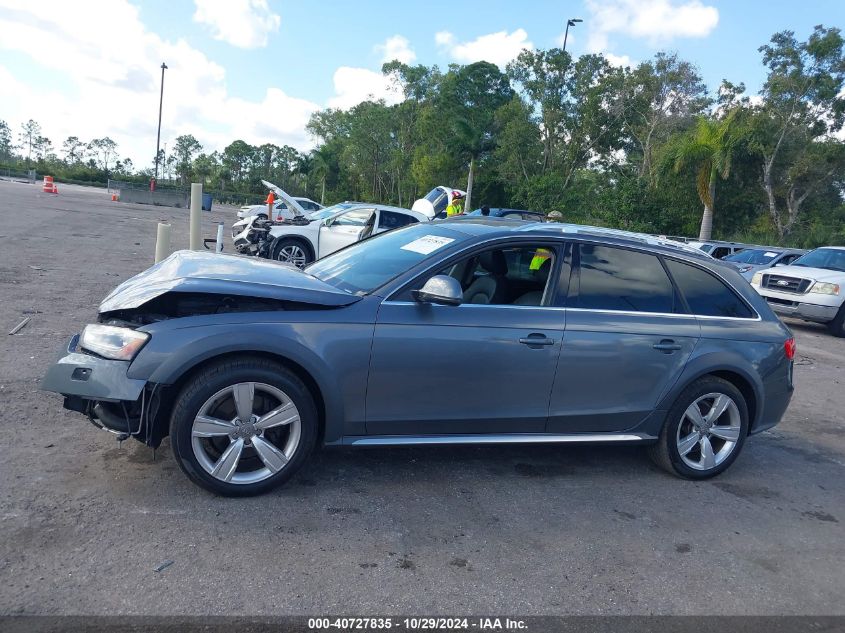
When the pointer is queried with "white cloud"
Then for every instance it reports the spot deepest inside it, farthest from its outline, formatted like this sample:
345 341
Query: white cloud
657 21
107 84
241 23
497 48
354 85
618 60
396 47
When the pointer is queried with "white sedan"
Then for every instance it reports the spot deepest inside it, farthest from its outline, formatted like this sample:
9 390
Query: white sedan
280 209
320 233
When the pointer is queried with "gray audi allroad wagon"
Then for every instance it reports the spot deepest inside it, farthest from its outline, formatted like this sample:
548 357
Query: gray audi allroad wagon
588 334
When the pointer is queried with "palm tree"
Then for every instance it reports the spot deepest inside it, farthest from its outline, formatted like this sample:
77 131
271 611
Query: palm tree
708 147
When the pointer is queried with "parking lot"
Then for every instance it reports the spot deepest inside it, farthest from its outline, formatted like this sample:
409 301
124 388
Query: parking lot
86 523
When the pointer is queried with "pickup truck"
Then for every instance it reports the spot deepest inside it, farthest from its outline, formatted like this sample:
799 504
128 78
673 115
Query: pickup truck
812 288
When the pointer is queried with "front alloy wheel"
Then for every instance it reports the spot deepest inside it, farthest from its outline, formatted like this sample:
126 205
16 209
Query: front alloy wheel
243 426
246 433
291 252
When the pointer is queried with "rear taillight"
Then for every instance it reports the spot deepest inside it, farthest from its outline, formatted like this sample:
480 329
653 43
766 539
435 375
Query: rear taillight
789 348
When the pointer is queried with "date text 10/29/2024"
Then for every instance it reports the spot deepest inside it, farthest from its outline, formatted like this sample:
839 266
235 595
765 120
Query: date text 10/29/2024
417 624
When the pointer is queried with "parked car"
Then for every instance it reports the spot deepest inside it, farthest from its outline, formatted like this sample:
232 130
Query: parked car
719 249
302 241
812 288
435 201
280 209
248 364
750 260
513 214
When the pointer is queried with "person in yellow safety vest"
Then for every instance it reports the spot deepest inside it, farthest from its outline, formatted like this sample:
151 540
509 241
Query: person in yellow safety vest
456 205
540 256
271 198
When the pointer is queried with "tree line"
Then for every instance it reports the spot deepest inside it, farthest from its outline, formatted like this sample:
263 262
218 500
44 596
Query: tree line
648 147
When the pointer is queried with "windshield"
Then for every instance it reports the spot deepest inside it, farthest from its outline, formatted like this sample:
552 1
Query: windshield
753 256
829 258
367 265
322 214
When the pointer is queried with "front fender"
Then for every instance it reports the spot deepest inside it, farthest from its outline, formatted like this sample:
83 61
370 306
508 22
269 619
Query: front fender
335 355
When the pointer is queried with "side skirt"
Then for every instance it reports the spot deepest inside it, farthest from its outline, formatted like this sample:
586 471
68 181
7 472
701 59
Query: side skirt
505 438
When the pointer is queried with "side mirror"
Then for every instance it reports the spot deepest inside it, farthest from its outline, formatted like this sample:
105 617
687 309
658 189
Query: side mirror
778 265
440 289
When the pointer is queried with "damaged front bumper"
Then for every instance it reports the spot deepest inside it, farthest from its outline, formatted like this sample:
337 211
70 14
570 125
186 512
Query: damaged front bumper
100 389
76 373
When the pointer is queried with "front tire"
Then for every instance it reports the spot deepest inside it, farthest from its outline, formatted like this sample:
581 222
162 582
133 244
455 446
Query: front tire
704 430
292 251
242 427
837 326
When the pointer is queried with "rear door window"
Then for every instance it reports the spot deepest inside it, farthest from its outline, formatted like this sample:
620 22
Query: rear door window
706 294
393 220
721 251
613 278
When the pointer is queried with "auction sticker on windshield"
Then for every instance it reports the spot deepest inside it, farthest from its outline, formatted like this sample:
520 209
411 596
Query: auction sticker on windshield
427 244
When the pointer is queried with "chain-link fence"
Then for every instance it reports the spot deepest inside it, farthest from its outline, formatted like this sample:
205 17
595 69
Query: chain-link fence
18 175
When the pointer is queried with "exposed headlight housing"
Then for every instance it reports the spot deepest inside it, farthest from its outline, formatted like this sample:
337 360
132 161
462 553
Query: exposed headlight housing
824 288
757 279
109 341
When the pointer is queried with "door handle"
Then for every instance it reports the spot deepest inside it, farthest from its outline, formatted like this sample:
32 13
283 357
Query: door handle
667 346
537 339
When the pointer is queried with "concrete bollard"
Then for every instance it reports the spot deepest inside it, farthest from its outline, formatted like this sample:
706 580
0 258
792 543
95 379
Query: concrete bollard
162 241
196 216
219 246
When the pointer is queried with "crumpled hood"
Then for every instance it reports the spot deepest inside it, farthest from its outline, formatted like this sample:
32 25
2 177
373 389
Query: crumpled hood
805 272
200 272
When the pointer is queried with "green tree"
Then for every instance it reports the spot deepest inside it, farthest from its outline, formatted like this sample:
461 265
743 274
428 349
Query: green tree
802 102
708 149
5 141
28 137
74 150
184 149
103 150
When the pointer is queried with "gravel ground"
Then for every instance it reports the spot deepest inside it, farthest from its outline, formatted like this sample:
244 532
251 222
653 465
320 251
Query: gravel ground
85 523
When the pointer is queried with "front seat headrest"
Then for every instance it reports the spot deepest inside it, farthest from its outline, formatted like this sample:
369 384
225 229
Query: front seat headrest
542 273
494 262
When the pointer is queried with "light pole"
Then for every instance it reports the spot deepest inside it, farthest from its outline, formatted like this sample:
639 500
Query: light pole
569 22
160 101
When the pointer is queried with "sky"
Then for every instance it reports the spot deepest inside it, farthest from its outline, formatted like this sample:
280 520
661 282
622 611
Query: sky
257 69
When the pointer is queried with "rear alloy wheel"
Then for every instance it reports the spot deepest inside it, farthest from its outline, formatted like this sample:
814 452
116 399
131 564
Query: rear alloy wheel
242 427
704 431
292 252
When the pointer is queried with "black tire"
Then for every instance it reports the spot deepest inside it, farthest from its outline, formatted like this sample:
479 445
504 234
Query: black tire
837 326
218 376
284 244
665 452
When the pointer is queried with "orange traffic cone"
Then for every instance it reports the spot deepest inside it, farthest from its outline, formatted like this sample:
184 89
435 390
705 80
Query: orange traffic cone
114 197
55 189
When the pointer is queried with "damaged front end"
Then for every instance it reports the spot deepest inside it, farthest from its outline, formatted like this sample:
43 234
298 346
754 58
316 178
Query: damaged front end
107 371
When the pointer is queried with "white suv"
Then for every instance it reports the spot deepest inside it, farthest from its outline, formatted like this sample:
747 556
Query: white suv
811 288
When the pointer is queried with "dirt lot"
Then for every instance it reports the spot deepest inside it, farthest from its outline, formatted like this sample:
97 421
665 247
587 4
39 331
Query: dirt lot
85 523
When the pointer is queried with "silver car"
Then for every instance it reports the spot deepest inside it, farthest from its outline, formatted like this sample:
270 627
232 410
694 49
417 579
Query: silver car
751 260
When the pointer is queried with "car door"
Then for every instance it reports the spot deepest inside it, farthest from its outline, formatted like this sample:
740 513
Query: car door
626 341
343 230
388 220
471 368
